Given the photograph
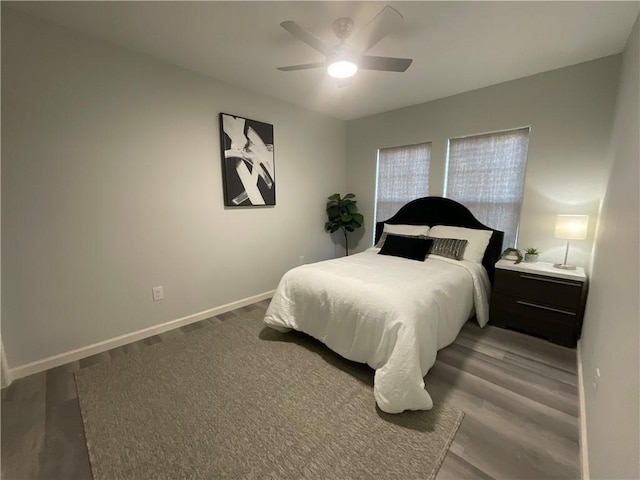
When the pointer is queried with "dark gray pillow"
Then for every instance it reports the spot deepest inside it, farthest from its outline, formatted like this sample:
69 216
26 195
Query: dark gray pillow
448 247
412 248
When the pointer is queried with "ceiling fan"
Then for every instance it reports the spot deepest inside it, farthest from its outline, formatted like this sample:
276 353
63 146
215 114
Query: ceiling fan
344 59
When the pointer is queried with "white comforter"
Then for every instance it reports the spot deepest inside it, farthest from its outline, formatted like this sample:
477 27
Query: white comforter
391 313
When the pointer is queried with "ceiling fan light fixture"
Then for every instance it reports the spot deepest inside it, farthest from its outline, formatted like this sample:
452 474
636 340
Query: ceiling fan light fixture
342 69
347 57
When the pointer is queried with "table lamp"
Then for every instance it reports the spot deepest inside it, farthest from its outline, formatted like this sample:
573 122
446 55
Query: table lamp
570 227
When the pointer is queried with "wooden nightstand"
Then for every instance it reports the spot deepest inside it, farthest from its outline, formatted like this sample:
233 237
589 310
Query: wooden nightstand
539 299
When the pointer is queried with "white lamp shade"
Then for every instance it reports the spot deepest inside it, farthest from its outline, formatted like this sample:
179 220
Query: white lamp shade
571 227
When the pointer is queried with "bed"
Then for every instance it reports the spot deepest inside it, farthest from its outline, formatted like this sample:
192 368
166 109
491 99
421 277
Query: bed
388 307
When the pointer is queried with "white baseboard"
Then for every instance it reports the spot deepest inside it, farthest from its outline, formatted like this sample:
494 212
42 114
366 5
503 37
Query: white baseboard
584 450
83 352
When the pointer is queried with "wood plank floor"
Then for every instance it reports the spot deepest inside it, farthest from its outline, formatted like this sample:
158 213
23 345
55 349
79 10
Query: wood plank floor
518 393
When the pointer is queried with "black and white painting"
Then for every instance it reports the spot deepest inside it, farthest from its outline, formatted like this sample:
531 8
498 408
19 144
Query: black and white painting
248 167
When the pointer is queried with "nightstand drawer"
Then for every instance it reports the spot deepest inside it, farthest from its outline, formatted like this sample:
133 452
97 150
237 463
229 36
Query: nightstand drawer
555 324
553 292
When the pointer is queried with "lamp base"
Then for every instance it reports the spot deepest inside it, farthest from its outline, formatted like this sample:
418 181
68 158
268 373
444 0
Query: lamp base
564 266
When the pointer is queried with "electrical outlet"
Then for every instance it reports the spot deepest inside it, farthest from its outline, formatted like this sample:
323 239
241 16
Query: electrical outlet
596 380
301 260
157 293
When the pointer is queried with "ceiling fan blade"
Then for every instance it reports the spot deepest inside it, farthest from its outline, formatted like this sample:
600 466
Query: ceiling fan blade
386 64
304 66
383 23
301 34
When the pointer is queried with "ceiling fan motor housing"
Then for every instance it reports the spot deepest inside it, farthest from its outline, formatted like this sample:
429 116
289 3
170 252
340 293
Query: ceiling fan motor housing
342 55
342 27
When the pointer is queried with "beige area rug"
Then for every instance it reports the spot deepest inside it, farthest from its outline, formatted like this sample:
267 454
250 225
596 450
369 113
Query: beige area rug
239 400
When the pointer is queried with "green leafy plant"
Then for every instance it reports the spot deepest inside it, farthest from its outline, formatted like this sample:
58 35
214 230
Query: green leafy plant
532 251
513 251
343 215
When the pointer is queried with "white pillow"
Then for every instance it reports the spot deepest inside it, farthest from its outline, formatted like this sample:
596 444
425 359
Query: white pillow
478 239
406 230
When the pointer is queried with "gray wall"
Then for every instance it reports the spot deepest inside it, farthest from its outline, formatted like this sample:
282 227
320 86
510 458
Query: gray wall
611 334
570 111
111 184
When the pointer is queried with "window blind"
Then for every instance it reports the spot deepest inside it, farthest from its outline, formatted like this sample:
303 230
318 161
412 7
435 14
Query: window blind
486 174
403 175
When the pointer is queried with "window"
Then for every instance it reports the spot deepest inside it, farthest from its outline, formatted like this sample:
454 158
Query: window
403 175
486 174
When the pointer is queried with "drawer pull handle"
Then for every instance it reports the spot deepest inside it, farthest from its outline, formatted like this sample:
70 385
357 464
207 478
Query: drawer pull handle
545 308
539 279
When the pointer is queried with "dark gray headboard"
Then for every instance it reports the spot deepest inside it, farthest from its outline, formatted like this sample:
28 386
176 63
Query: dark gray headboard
444 211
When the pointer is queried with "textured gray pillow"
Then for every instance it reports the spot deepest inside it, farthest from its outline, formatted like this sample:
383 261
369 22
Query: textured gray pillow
448 247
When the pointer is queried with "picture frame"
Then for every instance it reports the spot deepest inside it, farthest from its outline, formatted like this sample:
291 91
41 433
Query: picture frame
248 162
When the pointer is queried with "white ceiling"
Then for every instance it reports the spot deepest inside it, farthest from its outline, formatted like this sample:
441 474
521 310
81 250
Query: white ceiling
455 46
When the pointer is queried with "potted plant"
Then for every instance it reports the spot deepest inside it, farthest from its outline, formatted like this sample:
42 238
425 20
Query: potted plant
512 254
531 255
343 215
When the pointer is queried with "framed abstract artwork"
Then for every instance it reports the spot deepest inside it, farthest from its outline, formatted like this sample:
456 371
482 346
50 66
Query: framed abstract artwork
248 163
